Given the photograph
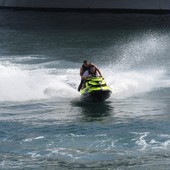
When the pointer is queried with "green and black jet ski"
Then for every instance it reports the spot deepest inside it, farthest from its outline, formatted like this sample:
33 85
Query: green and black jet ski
95 90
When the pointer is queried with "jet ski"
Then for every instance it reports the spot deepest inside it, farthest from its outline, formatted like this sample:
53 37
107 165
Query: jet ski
95 90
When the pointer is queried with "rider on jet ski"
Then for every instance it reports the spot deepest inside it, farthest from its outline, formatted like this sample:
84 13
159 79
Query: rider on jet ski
92 72
86 70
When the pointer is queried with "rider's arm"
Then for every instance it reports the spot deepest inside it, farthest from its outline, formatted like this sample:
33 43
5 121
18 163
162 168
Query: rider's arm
81 71
98 71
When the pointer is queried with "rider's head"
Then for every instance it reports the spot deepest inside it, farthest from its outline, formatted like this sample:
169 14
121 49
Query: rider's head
86 63
92 69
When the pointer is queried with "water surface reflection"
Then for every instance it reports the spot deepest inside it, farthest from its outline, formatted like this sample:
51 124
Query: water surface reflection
93 111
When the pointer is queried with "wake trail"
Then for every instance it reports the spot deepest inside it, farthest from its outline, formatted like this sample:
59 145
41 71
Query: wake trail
22 85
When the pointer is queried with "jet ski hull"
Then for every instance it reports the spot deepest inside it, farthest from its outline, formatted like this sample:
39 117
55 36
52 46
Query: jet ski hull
95 90
96 96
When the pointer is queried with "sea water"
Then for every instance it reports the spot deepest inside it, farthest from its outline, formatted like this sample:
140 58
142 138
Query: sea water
43 122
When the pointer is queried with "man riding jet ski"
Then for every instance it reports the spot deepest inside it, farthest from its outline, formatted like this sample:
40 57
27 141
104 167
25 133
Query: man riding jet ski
84 68
94 88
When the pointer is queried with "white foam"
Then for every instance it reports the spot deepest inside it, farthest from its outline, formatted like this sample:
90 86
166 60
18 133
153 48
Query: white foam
146 143
36 138
35 82
17 84
138 68
145 49
141 140
130 83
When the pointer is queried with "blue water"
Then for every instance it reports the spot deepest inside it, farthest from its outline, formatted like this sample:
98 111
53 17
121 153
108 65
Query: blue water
43 122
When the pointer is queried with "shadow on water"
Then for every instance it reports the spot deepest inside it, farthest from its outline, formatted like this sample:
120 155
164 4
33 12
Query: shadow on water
94 111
